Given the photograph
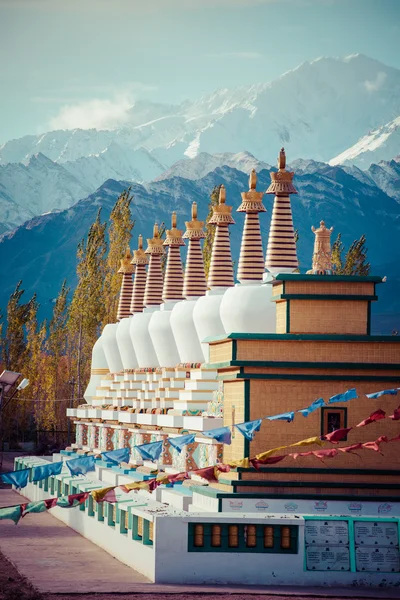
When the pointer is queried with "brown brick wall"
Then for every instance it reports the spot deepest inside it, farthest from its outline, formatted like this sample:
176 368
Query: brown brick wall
328 287
281 311
234 401
319 351
317 491
328 316
221 352
273 397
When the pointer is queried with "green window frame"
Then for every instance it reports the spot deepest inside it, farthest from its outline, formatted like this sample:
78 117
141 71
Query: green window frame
239 537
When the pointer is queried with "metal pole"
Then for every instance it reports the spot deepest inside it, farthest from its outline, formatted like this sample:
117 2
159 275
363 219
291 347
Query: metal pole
71 404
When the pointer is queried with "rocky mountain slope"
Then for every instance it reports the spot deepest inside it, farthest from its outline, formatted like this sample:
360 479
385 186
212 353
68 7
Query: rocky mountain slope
42 251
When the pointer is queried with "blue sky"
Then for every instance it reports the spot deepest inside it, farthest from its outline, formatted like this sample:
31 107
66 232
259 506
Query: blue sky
67 63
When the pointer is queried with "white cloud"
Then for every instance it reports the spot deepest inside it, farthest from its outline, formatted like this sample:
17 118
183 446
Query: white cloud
98 113
229 55
377 83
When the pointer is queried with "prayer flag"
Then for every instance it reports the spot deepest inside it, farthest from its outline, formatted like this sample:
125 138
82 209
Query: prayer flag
249 429
288 416
307 442
300 454
72 500
175 477
221 434
212 473
375 445
11 512
150 451
17 478
396 414
45 471
336 436
243 463
325 453
271 460
392 392
345 397
375 416
106 494
33 507
351 448
179 442
81 466
314 406
117 456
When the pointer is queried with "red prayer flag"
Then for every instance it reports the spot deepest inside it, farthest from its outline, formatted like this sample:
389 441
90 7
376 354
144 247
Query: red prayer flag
351 448
375 416
335 436
325 453
396 414
395 439
300 454
270 460
375 445
174 477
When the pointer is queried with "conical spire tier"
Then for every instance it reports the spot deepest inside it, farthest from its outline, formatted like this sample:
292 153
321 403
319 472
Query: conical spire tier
281 250
154 282
173 282
322 256
140 261
126 293
251 259
221 267
194 283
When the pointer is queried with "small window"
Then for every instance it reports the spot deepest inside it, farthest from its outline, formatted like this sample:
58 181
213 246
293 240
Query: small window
126 520
268 536
198 536
285 538
233 536
251 536
140 526
333 419
216 536
151 529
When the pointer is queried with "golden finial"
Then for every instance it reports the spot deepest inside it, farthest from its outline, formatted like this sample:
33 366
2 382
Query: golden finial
140 242
139 255
173 220
194 211
155 244
174 235
222 195
155 230
194 228
282 160
126 266
253 180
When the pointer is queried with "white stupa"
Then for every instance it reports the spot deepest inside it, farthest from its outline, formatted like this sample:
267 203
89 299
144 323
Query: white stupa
139 328
123 337
194 286
99 369
247 307
160 329
206 312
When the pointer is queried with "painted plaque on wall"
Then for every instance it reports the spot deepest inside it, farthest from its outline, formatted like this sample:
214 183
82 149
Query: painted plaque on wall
385 560
327 558
376 533
327 532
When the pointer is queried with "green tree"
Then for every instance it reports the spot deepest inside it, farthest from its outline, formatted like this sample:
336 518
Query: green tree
13 343
119 235
210 230
87 310
355 260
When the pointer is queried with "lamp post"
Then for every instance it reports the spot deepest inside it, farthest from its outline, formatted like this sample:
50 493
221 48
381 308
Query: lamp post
71 402
8 379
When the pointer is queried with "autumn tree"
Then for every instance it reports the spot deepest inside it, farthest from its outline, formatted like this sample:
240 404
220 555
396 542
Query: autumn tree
87 310
119 235
355 259
210 229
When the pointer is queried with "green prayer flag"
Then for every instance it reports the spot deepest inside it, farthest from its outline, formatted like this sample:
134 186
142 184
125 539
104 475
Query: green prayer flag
11 512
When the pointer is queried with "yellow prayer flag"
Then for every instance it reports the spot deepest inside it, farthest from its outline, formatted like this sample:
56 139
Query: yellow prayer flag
244 463
308 442
269 452
98 495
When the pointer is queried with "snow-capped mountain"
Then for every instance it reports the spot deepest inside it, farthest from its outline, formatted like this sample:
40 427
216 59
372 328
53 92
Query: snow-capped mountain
380 144
326 192
317 110
203 163
36 188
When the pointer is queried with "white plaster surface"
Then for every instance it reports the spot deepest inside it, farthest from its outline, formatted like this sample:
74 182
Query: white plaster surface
110 347
206 318
248 309
141 340
160 331
125 345
185 333
98 362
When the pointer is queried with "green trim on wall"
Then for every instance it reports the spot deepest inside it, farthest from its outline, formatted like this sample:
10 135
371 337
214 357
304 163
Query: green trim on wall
234 350
303 377
330 470
357 297
284 337
344 278
214 493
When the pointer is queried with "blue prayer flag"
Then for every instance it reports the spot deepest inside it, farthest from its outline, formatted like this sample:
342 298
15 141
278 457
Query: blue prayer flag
117 456
11 512
35 507
248 429
179 442
314 406
393 392
221 434
349 395
288 416
150 451
80 466
45 471
17 478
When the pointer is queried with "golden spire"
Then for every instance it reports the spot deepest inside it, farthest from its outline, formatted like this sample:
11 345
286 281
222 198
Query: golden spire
139 255
155 244
194 228
281 182
222 212
126 265
174 235
252 200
